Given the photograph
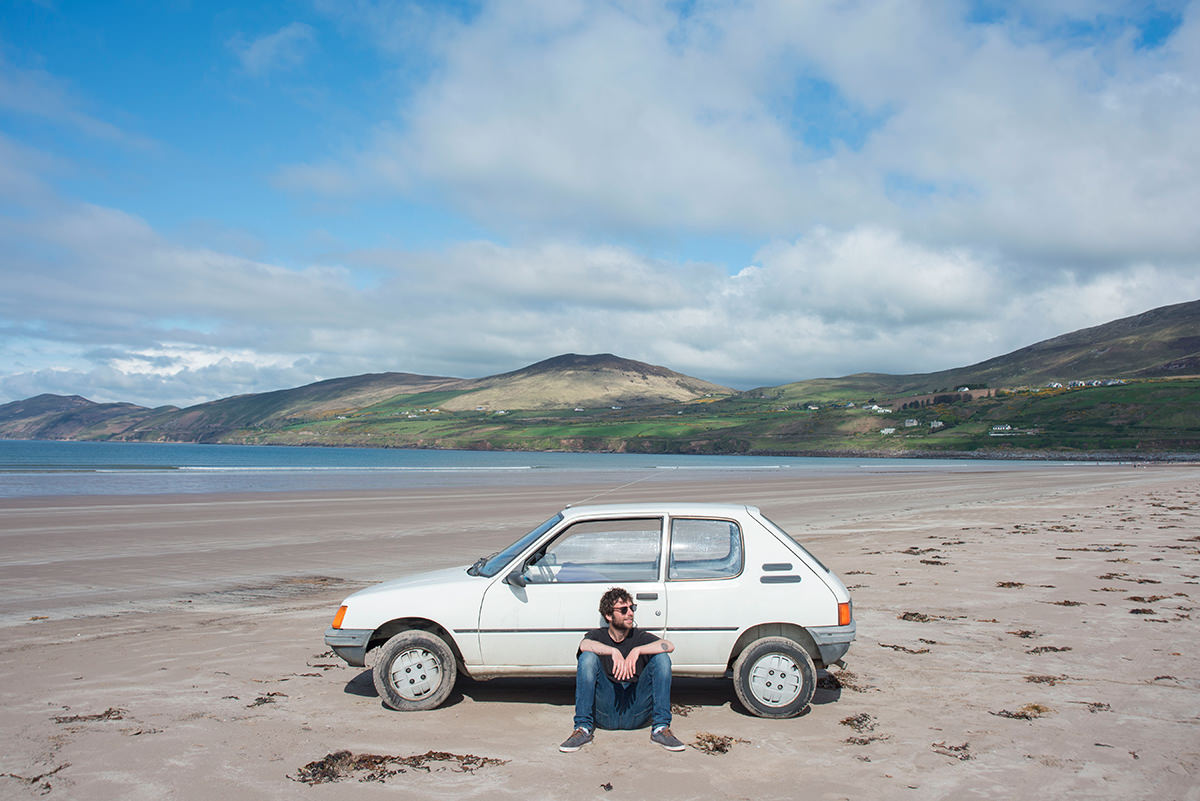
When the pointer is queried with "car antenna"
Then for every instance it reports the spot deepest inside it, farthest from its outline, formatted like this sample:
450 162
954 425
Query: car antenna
612 489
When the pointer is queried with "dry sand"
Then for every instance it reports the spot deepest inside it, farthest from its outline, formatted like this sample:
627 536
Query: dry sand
1020 633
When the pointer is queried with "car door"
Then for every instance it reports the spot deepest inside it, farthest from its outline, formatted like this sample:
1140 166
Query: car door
538 620
706 560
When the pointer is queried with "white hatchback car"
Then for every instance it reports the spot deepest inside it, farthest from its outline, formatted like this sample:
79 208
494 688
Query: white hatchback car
733 591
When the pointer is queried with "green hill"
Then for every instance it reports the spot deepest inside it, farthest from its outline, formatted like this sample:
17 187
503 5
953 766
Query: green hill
1124 389
1160 342
567 381
571 380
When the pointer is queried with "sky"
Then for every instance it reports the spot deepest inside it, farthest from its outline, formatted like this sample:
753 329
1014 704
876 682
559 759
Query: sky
200 200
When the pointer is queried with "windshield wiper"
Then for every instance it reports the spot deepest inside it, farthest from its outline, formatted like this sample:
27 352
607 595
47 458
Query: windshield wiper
473 570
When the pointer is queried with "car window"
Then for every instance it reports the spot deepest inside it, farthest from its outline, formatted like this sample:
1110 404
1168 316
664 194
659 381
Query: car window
796 543
705 549
598 551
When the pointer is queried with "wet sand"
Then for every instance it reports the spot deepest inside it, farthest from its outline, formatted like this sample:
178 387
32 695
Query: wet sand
1019 632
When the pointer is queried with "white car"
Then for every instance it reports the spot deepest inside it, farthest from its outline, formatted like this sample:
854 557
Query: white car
733 591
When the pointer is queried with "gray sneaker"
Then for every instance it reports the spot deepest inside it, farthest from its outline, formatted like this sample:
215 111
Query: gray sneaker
578 739
667 740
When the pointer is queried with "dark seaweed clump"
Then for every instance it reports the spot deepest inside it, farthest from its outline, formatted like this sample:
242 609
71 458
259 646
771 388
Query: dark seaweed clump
340 765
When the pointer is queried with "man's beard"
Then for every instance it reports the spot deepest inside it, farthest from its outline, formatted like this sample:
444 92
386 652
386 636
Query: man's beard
623 624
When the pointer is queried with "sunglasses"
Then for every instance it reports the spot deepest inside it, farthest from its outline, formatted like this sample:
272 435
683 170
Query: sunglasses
625 608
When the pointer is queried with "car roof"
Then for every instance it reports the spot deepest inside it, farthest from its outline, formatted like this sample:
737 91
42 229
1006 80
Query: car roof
674 509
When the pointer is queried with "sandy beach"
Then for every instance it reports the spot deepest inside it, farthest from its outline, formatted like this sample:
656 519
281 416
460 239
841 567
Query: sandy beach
1019 632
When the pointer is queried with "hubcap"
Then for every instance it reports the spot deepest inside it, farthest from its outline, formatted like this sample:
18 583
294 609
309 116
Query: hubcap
415 673
775 680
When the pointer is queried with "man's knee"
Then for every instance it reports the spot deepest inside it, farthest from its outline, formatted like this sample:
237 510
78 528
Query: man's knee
588 664
659 663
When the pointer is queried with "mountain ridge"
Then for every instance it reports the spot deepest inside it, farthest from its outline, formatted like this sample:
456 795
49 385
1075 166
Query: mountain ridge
502 410
1141 345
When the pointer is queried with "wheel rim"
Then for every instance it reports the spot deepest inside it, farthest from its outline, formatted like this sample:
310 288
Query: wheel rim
775 680
415 673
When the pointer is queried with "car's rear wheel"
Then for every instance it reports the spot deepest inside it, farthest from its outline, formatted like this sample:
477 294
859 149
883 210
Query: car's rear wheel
415 670
774 677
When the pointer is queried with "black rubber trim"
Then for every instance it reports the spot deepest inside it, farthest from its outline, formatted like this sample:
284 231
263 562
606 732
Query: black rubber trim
580 631
777 566
780 579
703 628
522 631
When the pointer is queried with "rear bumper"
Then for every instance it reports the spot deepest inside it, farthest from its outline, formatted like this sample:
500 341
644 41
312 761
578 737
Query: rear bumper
833 641
349 644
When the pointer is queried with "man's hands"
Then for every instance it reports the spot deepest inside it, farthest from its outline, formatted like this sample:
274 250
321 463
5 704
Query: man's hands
624 666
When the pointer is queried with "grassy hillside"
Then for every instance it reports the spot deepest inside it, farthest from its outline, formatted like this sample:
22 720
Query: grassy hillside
1160 342
571 380
208 421
1139 418
380 400
68 417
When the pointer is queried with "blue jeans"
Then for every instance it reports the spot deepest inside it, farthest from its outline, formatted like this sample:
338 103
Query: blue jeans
600 702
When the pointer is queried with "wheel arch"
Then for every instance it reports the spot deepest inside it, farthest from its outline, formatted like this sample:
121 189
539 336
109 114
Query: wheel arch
792 631
393 627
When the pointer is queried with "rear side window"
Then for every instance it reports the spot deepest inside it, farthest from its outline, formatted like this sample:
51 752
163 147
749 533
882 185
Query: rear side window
705 549
796 543
600 550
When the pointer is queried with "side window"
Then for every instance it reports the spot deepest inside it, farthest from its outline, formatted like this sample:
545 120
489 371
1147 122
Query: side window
600 550
705 549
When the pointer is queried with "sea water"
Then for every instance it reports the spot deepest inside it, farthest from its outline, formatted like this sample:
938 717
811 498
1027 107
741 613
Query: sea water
33 468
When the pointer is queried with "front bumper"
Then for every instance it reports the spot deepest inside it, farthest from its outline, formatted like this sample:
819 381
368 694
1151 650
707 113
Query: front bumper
350 644
832 641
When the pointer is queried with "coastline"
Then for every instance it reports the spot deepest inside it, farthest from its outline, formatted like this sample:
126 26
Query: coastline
643 449
199 618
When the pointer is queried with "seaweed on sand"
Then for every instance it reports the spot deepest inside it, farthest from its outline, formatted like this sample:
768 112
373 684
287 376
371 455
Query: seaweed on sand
843 679
112 713
904 649
1048 680
715 743
340 765
1027 712
860 722
38 782
960 752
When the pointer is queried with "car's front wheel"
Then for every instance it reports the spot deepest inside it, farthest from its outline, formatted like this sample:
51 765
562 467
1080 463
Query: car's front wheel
415 670
774 677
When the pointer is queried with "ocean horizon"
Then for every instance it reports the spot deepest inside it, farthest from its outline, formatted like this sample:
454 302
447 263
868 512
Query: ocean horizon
31 468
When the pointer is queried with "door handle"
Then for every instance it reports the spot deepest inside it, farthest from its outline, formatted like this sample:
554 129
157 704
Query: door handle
646 596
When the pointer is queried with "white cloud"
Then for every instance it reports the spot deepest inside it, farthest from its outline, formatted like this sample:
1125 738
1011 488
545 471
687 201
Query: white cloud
286 49
171 359
127 315
870 275
623 119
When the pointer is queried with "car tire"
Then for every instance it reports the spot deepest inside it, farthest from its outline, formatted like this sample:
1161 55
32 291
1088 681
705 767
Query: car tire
774 677
415 670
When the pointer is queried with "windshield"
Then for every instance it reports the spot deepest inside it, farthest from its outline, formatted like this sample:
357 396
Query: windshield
496 562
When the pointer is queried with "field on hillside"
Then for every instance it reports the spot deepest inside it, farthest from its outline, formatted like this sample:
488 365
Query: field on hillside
1139 417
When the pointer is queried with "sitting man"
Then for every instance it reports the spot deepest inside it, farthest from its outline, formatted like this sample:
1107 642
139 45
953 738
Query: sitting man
623 679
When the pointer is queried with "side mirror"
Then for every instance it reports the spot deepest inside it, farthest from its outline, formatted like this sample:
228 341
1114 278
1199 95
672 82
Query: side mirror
516 579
